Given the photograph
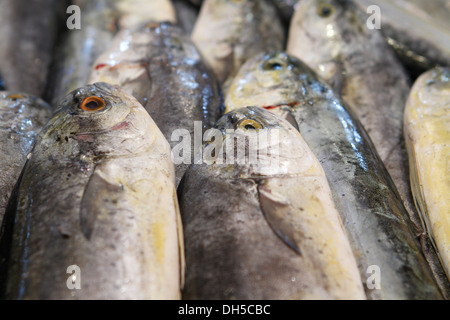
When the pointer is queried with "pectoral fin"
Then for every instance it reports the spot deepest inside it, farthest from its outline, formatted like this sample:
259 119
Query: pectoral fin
277 210
97 200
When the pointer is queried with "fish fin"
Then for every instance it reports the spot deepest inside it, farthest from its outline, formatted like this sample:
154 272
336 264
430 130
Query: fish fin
94 202
276 209
6 235
180 240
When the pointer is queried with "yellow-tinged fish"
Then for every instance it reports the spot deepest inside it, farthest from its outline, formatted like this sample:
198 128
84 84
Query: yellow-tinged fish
97 192
427 133
263 227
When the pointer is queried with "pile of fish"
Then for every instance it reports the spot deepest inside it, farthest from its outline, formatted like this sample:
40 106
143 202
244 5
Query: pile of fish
224 149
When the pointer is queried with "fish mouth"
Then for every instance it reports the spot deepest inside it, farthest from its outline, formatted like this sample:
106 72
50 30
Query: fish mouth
286 104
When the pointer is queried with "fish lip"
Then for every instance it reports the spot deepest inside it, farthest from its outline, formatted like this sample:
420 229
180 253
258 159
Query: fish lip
286 104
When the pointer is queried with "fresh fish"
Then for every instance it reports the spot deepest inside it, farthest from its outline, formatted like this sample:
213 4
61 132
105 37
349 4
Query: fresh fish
160 66
21 118
229 32
418 30
286 8
28 32
332 38
97 193
186 15
373 214
100 21
427 132
266 229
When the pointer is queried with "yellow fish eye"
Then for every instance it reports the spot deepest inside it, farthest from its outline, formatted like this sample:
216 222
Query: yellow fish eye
93 103
325 10
248 125
14 97
273 65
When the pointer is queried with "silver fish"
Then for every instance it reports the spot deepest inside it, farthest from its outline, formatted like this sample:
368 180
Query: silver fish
160 66
22 117
100 22
28 31
97 193
332 38
418 30
373 214
229 32
266 229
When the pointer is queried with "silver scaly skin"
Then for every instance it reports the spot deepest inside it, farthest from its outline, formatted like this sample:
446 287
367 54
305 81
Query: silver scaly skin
160 66
267 229
28 31
100 22
98 192
373 214
228 32
22 117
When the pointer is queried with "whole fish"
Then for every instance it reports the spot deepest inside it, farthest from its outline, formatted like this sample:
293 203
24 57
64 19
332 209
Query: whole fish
100 21
229 32
263 229
332 38
373 214
186 15
418 30
21 118
28 32
160 66
427 132
97 194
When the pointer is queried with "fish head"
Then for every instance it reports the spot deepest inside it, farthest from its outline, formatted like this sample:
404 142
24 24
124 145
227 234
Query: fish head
433 87
101 120
256 143
322 31
275 81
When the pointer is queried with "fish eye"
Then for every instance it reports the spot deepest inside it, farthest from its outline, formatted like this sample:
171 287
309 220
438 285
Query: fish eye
15 97
273 65
93 104
325 10
249 125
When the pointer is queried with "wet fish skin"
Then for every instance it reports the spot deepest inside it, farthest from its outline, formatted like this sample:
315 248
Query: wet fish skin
427 133
228 33
264 231
22 116
28 33
100 22
373 214
98 192
163 69
418 30
360 66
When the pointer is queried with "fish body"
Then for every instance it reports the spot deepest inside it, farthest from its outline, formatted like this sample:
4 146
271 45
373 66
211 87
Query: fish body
228 32
21 118
100 22
28 32
97 194
162 68
332 38
418 30
266 229
376 222
427 132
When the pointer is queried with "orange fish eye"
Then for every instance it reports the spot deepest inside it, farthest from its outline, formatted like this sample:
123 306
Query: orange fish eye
93 104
